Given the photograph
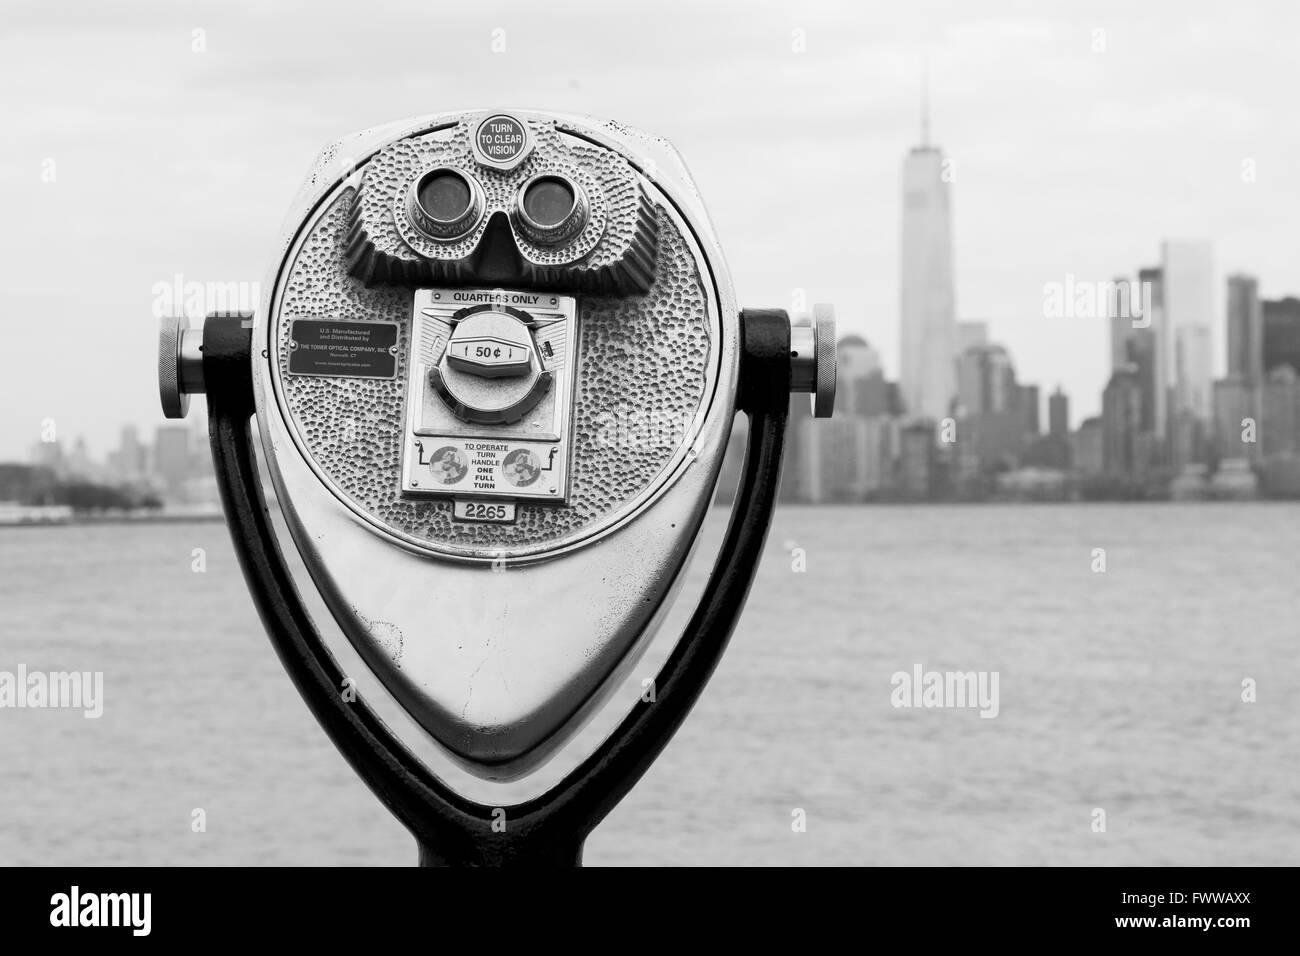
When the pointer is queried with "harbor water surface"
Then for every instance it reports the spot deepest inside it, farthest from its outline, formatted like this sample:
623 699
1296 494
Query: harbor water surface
1128 641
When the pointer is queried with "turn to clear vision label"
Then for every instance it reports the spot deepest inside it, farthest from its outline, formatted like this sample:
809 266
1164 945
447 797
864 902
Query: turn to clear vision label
343 349
502 138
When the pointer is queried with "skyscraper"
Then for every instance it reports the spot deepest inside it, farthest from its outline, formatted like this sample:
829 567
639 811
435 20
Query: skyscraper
1237 398
1058 414
1281 334
1053 449
833 459
1137 336
1157 346
1135 341
971 334
861 387
1125 322
1188 274
916 462
927 306
1028 400
1279 432
1245 331
1234 403
986 381
1121 424
1087 448
996 413
1194 374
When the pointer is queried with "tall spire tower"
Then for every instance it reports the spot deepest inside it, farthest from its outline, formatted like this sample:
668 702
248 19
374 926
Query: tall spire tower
925 102
927 304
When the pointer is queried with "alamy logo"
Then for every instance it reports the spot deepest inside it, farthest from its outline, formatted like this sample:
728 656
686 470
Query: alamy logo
1082 299
955 689
75 908
78 690
196 299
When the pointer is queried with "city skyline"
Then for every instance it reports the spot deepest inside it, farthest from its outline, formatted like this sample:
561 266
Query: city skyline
959 424
1079 139
1162 407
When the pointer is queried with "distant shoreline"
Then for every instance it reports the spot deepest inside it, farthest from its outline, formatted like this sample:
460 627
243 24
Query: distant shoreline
209 517
78 520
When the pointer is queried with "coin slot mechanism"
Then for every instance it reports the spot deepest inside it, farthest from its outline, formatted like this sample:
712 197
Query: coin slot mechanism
490 395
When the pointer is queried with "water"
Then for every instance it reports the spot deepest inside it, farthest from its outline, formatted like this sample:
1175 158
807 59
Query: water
1118 690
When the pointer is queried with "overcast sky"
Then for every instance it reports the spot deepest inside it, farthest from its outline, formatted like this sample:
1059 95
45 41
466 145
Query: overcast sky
1068 159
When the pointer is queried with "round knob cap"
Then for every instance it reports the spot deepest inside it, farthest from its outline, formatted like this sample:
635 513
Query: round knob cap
812 359
823 397
175 401
180 365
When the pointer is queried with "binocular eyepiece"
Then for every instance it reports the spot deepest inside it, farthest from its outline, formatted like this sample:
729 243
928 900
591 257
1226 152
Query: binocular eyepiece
500 342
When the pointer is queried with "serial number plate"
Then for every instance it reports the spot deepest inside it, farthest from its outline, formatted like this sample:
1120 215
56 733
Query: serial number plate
463 510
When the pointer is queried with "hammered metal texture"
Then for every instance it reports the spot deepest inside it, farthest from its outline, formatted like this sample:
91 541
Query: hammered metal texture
641 378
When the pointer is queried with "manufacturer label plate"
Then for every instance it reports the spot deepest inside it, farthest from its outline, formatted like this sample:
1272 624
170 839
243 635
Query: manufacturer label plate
343 349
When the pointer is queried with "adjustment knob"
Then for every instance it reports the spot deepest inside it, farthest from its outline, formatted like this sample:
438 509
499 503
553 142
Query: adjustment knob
180 365
812 359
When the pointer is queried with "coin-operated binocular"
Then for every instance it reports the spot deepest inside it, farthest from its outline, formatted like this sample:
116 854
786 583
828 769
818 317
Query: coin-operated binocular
494 375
